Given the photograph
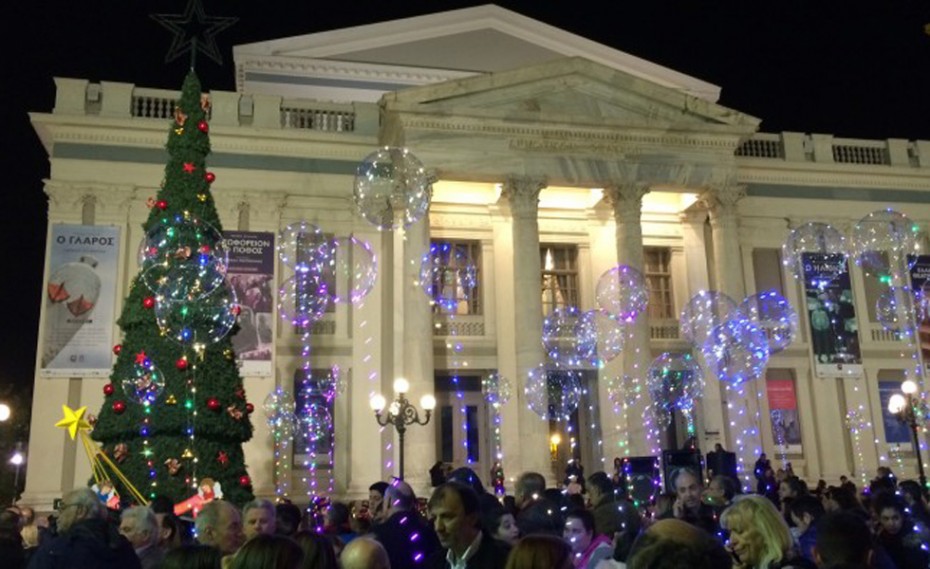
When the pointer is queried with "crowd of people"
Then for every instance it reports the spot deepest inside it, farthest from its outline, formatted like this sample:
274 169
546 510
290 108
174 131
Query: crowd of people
586 523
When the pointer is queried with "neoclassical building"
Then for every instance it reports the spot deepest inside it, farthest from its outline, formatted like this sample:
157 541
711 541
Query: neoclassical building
554 158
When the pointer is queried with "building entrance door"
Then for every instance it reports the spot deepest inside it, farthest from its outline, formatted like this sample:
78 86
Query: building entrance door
463 429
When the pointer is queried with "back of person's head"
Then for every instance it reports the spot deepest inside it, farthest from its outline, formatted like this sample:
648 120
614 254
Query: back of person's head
87 501
757 517
269 552
601 482
540 552
844 496
193 557
318 550
672 544
529 486
842 537
797 486
287 519
467 477
338 515
380 487
910 490
364 553
399 496
808 505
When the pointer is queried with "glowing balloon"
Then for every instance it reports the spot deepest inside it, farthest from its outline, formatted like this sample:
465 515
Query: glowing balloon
302 299
186 246
611 335
553 394
204 321
314 422
278 402
895 309
448 276
675 381
496 389
622 293
303 247
194 279
392 189
145 384
774 315
705 311
570 339
737 351
354 264
624 391
812 237
886 242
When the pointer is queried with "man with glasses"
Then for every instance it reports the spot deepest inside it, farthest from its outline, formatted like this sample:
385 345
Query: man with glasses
85 539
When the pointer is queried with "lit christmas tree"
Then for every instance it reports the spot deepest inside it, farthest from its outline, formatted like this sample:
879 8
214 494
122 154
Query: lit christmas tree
175 414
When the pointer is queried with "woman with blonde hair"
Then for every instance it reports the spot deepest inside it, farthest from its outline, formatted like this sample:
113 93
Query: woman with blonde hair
759 536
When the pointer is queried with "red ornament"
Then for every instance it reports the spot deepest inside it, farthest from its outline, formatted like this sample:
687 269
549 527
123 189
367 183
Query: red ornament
108 389
119 407
140 358
203 126
210 177
245 481
189 167
161 204
117 349
148 302
236 310
182 363
249 408
222 458
205 249
239 392
213 404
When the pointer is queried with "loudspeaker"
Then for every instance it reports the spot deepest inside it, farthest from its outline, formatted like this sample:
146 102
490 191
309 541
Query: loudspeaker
640 478
674 460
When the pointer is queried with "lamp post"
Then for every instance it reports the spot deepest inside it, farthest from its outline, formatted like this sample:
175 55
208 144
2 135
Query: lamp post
401 412
902 405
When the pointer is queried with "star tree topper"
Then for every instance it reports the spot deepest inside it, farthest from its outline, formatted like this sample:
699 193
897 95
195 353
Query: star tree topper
73 421
194 31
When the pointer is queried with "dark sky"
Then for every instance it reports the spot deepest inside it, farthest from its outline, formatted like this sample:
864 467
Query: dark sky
847 68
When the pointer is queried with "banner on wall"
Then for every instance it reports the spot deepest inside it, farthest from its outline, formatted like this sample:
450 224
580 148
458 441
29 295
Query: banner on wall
783 410
895 430
80 300
920 274
831 315
251 275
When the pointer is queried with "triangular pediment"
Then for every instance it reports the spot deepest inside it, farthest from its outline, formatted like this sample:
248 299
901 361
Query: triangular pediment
571 91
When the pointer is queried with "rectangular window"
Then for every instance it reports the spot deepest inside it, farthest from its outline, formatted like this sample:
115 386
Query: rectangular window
559 276
457 283
767 270
657 270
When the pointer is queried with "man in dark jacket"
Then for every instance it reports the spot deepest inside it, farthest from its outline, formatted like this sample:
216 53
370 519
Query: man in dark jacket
535 513
407 537
455 510
611 515
85 538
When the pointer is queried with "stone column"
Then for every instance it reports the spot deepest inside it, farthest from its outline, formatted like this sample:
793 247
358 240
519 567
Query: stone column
627 202
522 195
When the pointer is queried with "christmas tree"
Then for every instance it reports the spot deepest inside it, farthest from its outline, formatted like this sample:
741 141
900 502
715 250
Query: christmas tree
175 414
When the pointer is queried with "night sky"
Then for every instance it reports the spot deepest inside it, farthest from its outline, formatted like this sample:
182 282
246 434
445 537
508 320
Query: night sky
853 70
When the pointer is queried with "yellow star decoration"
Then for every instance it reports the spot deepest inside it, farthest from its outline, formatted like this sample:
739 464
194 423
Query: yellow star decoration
73 421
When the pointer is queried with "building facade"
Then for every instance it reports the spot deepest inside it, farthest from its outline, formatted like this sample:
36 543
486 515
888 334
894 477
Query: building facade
553 160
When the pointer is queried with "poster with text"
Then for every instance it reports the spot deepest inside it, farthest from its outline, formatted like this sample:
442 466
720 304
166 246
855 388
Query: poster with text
832 316
783 409
895 430
80 301
251 275
920 274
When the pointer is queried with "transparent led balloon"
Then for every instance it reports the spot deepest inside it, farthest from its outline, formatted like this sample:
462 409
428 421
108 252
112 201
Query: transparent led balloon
705 311
448 277
278 402
332 384
553 394
737 351
772 313
568 339
302 299
496 389
183 241
812 237
611 334
392 189
886 242
305 248
674 381
146 382
314 422
624 390
895 309
661 417
189 281
354 270
622 293
586 338
203 321
284 426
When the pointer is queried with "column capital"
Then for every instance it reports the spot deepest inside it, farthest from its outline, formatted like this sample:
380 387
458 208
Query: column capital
723 199
626 200
522 193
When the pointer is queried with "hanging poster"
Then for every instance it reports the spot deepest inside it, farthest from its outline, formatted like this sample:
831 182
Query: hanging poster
895 430
920 274
783 409
80 300
251 276
832 316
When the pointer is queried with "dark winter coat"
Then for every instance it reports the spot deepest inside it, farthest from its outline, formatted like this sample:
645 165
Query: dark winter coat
396 534
88 544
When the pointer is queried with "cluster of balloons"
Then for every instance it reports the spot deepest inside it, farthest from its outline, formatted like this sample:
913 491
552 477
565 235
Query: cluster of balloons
554 394
392 189
184 260
313 420
341 270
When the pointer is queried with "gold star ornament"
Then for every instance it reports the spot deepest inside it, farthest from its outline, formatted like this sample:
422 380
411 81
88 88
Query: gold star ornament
73 421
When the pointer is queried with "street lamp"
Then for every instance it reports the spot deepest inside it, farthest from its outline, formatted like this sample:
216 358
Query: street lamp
401 412
902 405
4 412
17 460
